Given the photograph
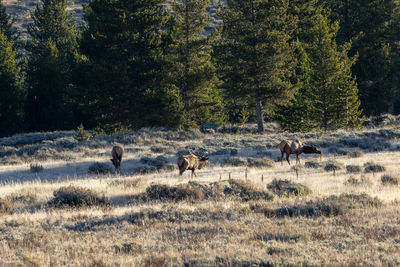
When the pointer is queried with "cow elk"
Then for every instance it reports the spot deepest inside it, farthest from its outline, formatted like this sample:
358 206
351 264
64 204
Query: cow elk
191 162
296 147
116 154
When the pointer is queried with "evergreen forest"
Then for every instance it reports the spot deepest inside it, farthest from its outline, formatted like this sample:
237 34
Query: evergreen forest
310 65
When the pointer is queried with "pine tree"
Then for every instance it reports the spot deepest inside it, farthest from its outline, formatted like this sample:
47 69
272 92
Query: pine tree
256 58
6 24
53 51
190 67
336 102
12 92
125 42
299 115
373 28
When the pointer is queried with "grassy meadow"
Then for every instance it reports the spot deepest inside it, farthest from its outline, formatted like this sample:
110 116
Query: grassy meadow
62 203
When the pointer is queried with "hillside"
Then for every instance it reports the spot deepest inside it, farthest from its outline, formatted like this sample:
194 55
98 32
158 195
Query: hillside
62 203
21 10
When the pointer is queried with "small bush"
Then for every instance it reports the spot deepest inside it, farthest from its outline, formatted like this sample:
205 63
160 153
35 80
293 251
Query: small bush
99 168
6 207
389 180
280 237
159 149
246 191
287 188
333 166
174 193
260 163
81 134
235 161
330 206
28 198
353 169
355 182
234 152
35 168
159 163
373 167
356 154
313 164
77 197
126 183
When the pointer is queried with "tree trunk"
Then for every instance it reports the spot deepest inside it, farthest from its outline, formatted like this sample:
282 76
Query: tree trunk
260 115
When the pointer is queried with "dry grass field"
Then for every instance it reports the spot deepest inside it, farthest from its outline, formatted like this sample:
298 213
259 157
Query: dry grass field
58 208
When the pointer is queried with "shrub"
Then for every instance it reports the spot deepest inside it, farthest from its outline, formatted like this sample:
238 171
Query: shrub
389 180
28 198
356 154
333 166
246 191
235 161
234 152
159 149
35 168
99 168
330 206
126 183
287 188
6 207
158 163
281 237
76 197
353 169
81 134
260 163
355 182
222 151
373 167
175 193
312 164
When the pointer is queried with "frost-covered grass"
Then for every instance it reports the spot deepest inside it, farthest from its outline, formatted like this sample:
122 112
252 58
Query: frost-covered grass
226 215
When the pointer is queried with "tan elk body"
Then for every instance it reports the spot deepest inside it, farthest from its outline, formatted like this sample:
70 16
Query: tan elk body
296 147
191 162
116 153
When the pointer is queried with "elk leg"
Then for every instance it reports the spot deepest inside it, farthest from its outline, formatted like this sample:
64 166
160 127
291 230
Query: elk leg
287 157
282 154
297 159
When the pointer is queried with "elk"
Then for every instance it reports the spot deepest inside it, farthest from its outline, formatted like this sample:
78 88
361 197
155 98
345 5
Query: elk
116 154
191 162
296 147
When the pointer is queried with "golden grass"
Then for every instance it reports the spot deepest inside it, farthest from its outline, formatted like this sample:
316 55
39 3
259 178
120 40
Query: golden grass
221 232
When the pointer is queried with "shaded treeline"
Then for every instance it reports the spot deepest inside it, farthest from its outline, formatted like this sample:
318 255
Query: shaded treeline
133 64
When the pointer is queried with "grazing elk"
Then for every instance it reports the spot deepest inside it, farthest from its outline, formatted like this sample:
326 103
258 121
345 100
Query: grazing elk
296 147
191 162
116 154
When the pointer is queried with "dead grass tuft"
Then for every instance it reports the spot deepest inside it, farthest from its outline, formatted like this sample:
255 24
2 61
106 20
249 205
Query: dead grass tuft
6 207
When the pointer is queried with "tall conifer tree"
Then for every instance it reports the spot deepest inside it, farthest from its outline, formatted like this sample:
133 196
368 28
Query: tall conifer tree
336 102
53 50
11 90
256 58
373 27
6 24
125 42
190 67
